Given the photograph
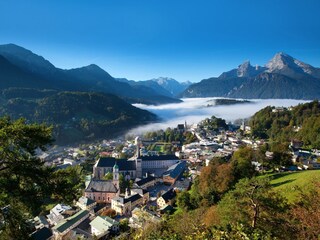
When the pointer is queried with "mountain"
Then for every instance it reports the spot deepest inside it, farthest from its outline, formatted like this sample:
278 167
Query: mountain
33 68
282 77
164 86
171 85
286 65
76 116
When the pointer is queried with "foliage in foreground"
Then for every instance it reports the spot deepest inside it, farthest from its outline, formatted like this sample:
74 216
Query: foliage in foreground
25 183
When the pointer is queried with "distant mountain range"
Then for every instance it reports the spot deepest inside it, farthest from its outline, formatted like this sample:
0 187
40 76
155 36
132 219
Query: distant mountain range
165 86
282 77
82 104
20 67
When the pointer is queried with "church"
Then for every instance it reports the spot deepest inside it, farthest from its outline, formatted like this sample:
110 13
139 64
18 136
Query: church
136 168
102 191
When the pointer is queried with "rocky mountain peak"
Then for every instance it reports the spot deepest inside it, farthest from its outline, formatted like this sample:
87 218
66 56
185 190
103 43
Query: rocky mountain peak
244 69
285 64
279 61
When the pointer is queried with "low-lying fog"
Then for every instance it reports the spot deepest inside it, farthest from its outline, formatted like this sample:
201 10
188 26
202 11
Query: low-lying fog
193 110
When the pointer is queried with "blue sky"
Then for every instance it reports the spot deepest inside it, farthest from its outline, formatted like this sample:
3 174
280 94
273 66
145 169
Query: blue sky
142 39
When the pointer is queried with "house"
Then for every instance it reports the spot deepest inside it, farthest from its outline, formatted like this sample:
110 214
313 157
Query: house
39 222
56 213
66 225
124 205
102 225
167 198
146 182
174 172
102 191
141 217
86 203
142 192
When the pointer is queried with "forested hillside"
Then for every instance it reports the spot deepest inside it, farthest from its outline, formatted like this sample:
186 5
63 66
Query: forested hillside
76 116
283 125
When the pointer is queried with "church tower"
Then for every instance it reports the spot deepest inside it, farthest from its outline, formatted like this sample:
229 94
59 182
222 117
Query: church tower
116 177
138 159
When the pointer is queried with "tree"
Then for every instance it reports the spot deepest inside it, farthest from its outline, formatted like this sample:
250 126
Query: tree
24 180
215 180
255 205
183 201
242 163
67 184
305 213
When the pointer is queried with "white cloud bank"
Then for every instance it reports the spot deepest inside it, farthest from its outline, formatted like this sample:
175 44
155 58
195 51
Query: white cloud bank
193 110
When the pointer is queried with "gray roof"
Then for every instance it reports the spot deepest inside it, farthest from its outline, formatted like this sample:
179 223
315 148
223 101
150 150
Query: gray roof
176 170
86 201
123 164
101 186
159 157
131 198
168 195
103 224
145 180
42 234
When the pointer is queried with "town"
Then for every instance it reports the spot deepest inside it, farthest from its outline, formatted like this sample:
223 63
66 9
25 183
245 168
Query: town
130 183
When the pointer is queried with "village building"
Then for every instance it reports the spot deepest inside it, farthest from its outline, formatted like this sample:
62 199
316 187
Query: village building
103 225
142 217
124 205
134 168
66 225
57 213
174 172
167 198
144 183
86 203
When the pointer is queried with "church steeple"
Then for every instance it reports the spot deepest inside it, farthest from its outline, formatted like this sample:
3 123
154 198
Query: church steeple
116 176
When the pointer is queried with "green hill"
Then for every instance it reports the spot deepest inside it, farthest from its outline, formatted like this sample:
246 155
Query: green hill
288 183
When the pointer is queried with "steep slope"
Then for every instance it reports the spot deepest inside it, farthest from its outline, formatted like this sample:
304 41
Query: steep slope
282 77
13 76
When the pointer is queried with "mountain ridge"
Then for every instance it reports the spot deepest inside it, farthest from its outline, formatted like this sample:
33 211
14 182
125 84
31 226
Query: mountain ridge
87 78
282 77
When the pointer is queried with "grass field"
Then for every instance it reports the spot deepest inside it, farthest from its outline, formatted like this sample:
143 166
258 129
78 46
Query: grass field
288 183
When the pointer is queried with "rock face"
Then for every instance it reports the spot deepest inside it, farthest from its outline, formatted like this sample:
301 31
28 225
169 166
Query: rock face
282 77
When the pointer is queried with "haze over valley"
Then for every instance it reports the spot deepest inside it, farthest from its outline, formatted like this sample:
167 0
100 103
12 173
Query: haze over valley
193 110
